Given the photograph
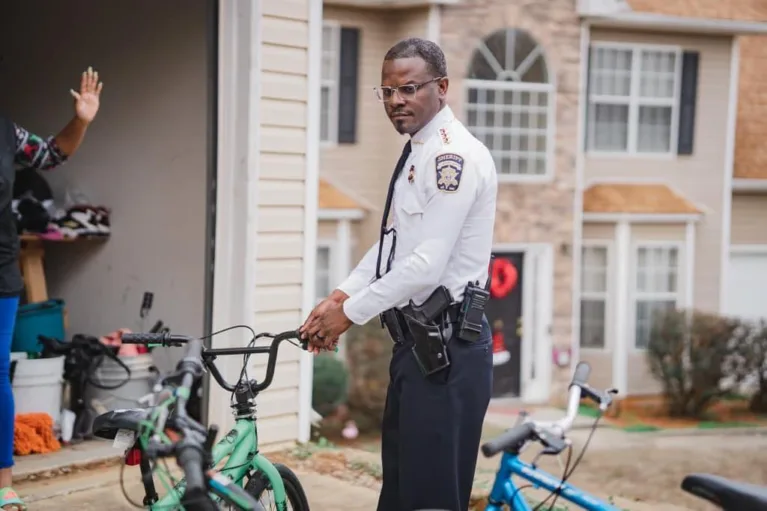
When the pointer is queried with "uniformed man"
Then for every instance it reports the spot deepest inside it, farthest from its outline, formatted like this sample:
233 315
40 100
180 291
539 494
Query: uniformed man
444 195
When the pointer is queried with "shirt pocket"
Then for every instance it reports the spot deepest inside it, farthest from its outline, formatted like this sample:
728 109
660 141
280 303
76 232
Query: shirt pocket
410 208
410 205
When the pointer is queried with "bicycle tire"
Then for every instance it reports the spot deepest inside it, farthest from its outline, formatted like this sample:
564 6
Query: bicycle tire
294 492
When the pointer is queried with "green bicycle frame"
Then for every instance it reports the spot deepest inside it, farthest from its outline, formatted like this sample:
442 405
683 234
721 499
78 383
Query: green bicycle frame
241 445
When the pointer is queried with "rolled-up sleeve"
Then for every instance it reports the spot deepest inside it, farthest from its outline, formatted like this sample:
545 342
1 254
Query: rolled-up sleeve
448 204
35 152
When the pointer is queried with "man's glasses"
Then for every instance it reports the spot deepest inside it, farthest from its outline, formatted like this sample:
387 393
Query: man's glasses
406 92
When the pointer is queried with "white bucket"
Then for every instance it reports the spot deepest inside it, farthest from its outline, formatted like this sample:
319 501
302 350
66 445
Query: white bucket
37 386
110 374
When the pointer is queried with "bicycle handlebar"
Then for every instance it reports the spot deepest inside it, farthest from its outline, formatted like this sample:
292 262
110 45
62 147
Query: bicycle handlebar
531 428
193 450
196 352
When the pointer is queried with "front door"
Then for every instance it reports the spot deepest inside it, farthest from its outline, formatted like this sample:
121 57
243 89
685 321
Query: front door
504 312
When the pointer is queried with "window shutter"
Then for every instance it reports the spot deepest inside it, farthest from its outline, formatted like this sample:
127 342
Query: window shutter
687 100
347 89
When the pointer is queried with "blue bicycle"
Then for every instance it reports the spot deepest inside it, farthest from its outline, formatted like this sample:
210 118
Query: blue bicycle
551 435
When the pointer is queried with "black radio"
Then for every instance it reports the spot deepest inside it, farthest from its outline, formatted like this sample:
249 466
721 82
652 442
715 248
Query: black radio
475 300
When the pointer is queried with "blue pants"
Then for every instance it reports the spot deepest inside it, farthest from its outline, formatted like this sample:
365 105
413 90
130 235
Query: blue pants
8 308
432 427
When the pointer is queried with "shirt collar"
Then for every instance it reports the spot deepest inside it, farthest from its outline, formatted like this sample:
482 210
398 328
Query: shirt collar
443 117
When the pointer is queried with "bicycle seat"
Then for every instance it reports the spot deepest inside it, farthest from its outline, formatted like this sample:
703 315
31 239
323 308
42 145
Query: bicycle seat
107 424
729 495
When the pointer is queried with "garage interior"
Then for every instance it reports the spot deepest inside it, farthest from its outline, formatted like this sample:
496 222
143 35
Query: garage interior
149 156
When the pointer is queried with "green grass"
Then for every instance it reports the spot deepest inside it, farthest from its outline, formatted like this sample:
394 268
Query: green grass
640 428
715 424
588 411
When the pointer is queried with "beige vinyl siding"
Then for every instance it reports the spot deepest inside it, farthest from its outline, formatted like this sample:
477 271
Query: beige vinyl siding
749 220
640 381
280 220
327 230
698 177
601 360
598 232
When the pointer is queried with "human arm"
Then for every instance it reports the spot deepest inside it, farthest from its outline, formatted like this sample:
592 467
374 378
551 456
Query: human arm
87 103
36 152
443 216
364 272
361 276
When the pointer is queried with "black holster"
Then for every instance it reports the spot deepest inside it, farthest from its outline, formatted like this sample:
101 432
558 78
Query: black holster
429 326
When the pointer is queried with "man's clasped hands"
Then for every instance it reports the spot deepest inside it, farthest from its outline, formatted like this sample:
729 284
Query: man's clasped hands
326 323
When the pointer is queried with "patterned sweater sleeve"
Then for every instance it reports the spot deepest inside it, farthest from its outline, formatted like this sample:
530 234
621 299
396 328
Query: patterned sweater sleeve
36 152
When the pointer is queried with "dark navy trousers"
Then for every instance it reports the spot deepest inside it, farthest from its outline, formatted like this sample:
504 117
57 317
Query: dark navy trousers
432 427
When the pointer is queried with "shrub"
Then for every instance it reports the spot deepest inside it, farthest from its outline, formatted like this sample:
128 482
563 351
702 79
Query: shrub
688 353
750 364
330 385
368 352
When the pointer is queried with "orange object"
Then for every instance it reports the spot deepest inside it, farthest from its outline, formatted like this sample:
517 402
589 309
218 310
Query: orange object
33 434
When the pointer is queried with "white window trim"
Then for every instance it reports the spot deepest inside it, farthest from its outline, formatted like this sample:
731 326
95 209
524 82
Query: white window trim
677 295
332 246
333 85
606 295
551 90
634 102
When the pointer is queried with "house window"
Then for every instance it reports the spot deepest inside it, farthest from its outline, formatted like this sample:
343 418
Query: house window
331 54
323 273
509 104
593 296
657 287
633 99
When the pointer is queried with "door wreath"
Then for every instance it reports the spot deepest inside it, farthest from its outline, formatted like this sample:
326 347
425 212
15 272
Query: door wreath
505 277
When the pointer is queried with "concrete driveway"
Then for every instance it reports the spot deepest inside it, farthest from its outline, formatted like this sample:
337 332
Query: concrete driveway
95 490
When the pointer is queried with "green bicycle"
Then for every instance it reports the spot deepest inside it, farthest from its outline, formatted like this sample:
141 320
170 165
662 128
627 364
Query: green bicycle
150 434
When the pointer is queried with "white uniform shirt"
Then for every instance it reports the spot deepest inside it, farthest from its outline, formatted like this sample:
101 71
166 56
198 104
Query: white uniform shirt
443 213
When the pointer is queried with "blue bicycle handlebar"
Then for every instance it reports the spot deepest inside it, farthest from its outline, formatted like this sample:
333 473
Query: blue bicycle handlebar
529 430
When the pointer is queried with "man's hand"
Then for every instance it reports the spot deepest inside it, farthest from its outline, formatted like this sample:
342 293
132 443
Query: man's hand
87 99
332 323
311 326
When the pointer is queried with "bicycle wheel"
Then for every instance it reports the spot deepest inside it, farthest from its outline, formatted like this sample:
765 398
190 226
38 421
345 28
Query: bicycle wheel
260 487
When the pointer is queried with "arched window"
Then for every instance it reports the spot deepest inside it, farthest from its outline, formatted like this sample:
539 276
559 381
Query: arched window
510 103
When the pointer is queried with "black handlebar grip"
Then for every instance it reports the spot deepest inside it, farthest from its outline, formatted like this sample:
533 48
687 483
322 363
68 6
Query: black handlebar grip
284 336
510 438
144 338
581 375
190 459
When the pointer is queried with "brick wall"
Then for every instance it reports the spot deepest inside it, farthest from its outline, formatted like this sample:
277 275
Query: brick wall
541 213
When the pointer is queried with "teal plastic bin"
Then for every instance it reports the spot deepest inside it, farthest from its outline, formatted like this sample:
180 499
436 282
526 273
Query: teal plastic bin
33 319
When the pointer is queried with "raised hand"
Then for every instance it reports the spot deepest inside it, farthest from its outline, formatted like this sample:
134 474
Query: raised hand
87 99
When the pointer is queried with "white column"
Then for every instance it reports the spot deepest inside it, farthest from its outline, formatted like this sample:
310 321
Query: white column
314 78
689 261
434 23
622 302
342 265
729 168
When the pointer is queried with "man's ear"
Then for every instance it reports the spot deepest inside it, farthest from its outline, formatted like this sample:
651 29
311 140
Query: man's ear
443 84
